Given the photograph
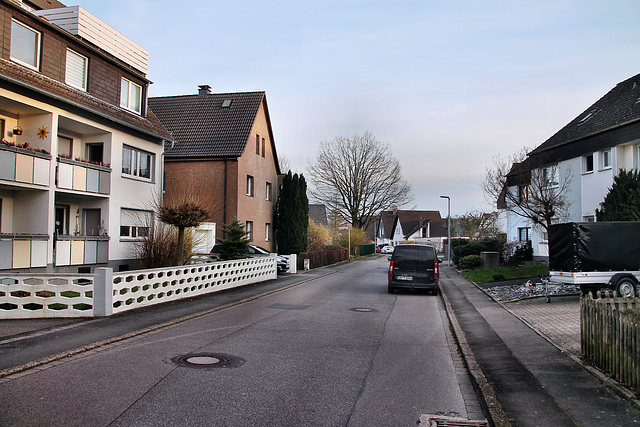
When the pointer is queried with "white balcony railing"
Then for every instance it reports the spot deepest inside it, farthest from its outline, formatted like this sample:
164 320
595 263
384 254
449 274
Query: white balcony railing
24 166
82 176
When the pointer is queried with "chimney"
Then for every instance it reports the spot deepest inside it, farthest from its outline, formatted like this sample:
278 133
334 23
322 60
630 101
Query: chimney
204 90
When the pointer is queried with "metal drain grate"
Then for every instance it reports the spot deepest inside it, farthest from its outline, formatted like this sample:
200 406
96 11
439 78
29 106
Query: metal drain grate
443 421
363 309
208 360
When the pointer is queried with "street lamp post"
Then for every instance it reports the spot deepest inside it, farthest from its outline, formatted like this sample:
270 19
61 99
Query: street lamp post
448 226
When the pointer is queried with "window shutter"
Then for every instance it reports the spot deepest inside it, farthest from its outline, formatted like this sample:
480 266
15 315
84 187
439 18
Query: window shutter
76 70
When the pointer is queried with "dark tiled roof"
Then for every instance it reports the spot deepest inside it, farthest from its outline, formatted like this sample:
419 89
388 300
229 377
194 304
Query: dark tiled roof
202 127
39 83
318 213
619 107
46 4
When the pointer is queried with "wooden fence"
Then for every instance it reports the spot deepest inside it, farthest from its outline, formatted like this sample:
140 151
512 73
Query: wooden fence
610 336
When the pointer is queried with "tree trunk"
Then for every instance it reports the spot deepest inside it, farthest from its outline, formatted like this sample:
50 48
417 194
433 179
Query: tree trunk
180 245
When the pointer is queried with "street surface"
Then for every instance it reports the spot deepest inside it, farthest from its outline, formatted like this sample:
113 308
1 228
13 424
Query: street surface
335 351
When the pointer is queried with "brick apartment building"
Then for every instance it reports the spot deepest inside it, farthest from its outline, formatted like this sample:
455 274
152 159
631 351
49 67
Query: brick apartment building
224 149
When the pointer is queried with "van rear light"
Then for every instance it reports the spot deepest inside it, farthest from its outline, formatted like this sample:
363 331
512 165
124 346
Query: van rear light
435 269
391 270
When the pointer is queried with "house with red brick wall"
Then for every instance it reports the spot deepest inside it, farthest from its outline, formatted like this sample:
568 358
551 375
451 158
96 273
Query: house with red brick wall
224 148
80 154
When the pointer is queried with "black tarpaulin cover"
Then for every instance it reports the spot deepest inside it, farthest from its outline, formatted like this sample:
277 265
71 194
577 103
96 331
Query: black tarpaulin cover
594 246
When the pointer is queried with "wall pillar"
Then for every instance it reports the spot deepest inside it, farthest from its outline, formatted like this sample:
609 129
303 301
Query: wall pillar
103 292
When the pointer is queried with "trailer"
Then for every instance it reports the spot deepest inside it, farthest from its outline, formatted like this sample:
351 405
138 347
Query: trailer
596 256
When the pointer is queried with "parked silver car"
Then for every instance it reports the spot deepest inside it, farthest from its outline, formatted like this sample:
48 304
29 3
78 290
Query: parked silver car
254 250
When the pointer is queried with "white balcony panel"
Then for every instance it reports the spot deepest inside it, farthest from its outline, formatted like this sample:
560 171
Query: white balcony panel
39 253
41 171
78 21
65 175
63 252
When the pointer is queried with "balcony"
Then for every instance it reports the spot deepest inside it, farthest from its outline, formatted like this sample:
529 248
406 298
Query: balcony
80 250
23 250
25 166
82 176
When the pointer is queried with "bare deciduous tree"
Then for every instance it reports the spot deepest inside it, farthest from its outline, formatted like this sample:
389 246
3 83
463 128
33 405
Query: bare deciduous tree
185 210
528 187
479 225
358 177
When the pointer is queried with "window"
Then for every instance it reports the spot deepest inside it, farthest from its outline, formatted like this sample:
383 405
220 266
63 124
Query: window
137 163
257 144
550 177
131 96
135 224
524 234
249 186
524 193
76 72
605 159
587 163
94 152
268 191
424 233
249 229
25 45
263 145
267 232
588 218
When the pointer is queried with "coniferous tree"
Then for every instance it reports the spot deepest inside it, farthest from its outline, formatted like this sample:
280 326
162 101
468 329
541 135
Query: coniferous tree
235 241
292 215
622 203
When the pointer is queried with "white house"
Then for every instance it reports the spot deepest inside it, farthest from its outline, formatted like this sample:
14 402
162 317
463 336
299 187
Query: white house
590 150
81 155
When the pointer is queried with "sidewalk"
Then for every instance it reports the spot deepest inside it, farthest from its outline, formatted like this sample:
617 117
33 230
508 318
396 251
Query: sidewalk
524 379
557 321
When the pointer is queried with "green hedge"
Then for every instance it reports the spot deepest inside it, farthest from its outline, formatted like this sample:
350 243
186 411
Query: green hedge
470 262
465 247
320 258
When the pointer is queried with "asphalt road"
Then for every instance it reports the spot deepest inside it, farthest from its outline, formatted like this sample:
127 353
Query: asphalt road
336 350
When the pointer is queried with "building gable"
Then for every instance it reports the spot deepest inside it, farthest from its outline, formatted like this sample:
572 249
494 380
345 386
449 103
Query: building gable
210 124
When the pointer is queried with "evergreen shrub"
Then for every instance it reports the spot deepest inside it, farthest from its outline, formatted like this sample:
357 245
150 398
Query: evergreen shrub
470 262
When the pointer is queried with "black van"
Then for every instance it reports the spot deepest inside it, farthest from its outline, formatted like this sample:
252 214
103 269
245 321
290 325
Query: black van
413 267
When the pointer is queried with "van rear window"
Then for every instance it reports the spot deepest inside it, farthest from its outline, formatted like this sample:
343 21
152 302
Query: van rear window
412 254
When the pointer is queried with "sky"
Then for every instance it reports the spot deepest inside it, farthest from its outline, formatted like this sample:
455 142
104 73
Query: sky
447 84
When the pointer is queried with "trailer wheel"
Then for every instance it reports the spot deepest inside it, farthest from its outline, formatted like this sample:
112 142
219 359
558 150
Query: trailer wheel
626 287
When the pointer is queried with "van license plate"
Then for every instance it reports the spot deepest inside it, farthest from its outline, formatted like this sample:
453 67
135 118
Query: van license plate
404 278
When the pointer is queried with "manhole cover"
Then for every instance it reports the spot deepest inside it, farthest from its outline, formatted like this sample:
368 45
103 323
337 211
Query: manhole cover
208 360
363 309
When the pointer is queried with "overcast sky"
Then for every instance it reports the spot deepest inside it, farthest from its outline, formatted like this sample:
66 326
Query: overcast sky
449 84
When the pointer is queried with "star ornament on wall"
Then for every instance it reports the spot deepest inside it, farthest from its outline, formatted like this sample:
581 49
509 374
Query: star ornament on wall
43 132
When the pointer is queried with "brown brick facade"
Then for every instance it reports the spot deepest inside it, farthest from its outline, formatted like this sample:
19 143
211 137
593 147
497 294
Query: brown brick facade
103 76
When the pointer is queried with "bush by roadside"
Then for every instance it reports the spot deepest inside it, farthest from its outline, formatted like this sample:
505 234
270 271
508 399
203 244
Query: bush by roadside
465 247
321 258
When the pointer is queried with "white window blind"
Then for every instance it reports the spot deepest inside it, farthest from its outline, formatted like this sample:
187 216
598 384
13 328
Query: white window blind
76 73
